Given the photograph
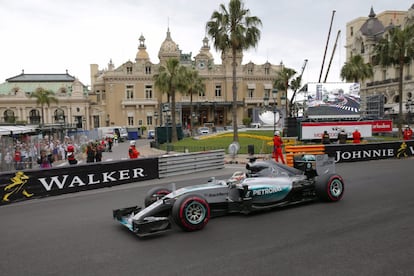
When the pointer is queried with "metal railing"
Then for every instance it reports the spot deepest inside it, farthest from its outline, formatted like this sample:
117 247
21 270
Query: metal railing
187 163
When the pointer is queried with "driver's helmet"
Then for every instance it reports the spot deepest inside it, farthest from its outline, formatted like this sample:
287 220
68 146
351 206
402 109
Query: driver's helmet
258 169
308 157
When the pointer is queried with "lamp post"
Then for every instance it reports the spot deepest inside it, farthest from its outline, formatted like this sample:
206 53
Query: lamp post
408 108
274 107
166 110
156 124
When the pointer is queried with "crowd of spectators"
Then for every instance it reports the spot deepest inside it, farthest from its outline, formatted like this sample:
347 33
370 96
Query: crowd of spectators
25 151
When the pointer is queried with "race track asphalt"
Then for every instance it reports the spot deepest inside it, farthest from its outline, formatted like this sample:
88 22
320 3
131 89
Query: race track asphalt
369 232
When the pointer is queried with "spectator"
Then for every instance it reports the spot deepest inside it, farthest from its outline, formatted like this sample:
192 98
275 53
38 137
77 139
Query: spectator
356 135
407 133
98 152
90 153
277 147
342 136
45 160
325 137
132 151
18 159
71 155
9 160
110 142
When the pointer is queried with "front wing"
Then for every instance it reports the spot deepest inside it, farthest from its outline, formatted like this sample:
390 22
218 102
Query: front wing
147 226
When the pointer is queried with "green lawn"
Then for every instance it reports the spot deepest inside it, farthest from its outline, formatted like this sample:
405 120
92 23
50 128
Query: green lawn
260 139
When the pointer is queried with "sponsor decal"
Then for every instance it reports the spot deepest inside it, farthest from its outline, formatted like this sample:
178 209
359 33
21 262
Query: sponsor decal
22 185
16 187
372 151
69 181
216 194
266 191
381 126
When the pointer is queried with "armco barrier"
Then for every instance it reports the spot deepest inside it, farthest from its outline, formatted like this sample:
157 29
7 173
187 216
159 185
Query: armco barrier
36 183
187 163
291 151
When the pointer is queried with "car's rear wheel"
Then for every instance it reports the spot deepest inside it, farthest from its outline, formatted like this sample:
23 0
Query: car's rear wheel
191 212
154 194
329 187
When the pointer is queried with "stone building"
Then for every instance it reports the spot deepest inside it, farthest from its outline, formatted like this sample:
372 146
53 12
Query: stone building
362 34
71 110
126 95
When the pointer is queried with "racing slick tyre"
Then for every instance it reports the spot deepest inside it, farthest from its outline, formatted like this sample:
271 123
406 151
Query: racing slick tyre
329 187
154 194
191 212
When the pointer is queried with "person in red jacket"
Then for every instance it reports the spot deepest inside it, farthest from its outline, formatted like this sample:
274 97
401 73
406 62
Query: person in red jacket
356 135
408 133
277 147
71 155
132 151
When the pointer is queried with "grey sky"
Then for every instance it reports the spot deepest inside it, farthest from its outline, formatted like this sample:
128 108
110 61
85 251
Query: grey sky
50 36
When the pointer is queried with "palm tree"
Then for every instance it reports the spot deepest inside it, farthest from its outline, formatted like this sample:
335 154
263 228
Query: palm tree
295 85
44 97
397 48
356 70
192 83
167 80
234 29
282 82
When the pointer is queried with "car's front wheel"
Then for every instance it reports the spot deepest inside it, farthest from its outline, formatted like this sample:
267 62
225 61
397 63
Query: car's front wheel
154 194
330 187
191 212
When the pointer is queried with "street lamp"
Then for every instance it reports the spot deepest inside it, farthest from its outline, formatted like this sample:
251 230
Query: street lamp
408 108
166 110
274 108
155 129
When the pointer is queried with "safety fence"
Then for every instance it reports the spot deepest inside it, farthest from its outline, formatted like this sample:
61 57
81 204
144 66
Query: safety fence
187 163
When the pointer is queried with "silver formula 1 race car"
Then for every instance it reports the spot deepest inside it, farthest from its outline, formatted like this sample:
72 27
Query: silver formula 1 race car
264 185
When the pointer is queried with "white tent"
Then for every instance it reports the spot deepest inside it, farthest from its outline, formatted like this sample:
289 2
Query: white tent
7 130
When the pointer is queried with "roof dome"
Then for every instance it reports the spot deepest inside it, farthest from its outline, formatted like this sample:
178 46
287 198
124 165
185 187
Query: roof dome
372 27
169 48
142 50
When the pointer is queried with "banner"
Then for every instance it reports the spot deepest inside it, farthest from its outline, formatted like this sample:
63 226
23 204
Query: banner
28 184
371 151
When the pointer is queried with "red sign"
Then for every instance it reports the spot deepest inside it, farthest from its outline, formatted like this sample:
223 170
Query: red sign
381 126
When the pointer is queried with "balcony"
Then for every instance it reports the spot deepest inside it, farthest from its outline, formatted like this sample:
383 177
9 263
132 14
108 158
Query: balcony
139 101
253 100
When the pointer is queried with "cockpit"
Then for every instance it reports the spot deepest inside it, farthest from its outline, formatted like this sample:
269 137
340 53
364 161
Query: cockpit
270 168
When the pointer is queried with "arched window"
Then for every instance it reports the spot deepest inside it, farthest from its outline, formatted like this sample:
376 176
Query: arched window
396 99
9 116
59 116
34 116
148 69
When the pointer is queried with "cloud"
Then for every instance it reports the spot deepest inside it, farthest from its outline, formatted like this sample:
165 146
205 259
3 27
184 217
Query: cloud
50 36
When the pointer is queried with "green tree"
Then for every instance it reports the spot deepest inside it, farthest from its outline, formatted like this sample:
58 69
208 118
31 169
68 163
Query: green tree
44 97
397 48
192 83
295 85
283 83
356 70
234 29
167 80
